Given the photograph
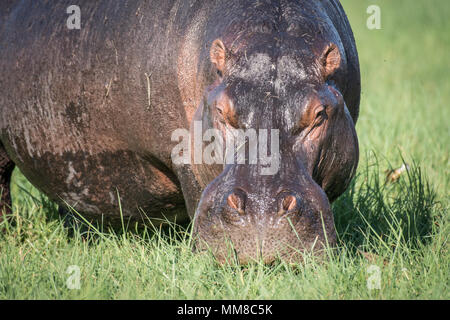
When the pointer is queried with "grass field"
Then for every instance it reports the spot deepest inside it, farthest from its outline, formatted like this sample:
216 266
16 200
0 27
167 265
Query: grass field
397 231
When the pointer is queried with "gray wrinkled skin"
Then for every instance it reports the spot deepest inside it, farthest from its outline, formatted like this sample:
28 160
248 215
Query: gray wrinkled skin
86 114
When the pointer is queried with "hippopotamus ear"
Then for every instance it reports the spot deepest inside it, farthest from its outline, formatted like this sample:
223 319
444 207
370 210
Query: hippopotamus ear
331 60
218 54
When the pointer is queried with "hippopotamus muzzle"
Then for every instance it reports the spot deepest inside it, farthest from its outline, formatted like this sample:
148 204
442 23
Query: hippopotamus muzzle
248 216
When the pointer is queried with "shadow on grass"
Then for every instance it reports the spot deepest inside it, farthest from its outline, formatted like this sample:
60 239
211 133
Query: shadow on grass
393 212
32 208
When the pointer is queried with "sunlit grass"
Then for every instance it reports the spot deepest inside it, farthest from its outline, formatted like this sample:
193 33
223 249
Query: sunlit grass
401 228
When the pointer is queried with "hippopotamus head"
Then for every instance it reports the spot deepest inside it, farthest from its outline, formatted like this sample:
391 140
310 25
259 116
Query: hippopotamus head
276 204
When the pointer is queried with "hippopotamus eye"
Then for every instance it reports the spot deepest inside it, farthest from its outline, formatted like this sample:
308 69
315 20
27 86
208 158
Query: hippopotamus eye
313 117
220 114
321 112
321 115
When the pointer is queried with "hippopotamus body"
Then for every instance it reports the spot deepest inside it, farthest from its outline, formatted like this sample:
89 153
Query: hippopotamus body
88 114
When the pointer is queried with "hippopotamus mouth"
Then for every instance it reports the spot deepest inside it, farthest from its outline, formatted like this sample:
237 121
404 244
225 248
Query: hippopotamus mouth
279 208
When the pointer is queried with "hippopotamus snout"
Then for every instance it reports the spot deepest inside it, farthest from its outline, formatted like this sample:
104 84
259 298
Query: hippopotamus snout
263 217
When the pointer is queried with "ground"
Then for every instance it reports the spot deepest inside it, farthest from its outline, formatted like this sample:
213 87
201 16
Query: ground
393 237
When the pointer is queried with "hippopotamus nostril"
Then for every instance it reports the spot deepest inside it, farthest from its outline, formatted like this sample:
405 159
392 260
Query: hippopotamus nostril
287 203
236 200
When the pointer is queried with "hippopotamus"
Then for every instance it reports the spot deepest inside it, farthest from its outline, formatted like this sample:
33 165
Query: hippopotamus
88 114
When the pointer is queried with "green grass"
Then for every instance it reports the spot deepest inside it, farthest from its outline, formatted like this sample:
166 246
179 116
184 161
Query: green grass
402 228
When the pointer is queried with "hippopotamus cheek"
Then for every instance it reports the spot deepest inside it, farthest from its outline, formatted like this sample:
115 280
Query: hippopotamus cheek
339 156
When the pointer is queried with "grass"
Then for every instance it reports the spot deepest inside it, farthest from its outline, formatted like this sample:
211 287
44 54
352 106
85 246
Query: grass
401 228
